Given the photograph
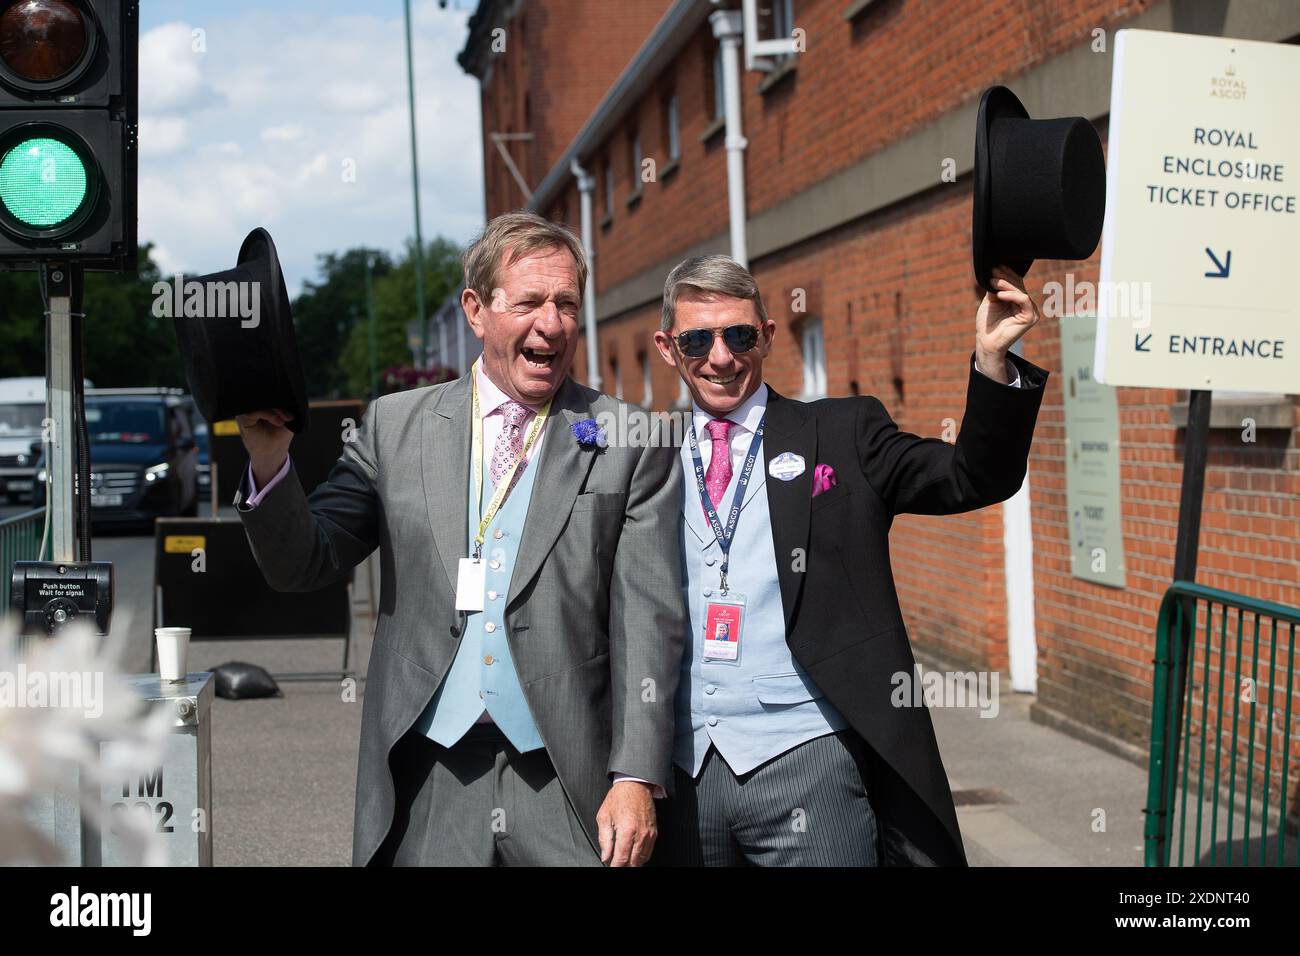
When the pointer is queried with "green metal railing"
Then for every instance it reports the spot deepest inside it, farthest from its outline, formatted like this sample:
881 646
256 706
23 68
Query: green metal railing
20 539
1224 749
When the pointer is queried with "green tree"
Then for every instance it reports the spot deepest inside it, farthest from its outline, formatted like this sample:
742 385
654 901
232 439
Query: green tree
395 307
326 313
124 343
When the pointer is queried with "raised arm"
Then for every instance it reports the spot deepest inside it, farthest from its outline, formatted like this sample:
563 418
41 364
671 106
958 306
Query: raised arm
988 461
303 543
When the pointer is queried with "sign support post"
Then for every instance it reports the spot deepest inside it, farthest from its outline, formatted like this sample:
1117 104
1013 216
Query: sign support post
1195 455
60 457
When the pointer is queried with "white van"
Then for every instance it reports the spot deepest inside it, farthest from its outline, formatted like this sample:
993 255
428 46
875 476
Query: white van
22 408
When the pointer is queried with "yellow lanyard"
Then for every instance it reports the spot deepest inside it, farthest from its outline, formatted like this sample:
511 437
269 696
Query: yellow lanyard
476 451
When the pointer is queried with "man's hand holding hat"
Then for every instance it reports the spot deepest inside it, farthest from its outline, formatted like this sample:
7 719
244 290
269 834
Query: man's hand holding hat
1003 317
266 438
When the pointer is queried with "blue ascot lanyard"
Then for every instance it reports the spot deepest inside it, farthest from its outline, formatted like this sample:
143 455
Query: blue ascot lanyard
725 535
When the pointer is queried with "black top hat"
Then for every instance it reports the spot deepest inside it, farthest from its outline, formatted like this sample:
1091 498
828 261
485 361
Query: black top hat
1040 187
237 362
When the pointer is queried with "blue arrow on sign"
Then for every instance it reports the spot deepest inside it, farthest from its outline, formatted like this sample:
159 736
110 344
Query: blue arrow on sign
1140 342
1224 267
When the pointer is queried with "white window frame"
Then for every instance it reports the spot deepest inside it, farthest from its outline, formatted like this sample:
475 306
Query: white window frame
648 392
674 139
777 47
812 345
637 156
719 85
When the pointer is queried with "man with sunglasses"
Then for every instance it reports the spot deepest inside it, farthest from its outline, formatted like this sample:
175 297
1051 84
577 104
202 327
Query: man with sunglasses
791 746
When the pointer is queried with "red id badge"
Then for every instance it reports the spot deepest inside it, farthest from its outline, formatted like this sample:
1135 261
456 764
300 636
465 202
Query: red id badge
723 617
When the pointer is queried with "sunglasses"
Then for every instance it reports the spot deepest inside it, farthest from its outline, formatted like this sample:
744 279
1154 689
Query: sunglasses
699 342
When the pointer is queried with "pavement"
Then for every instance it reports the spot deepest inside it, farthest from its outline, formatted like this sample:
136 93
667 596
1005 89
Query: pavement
1030 795
284 768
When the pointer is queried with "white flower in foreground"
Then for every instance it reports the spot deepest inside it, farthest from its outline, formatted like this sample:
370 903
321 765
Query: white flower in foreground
62 697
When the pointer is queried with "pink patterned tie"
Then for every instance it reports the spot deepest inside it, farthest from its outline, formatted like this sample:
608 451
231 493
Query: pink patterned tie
718 475
510 442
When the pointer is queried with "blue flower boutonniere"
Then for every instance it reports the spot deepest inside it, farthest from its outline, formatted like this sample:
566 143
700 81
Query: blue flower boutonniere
589 434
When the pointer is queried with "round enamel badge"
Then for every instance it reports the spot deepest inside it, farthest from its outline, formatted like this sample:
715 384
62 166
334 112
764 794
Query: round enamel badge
786 466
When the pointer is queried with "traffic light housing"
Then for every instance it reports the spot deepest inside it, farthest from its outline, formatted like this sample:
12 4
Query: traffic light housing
68 128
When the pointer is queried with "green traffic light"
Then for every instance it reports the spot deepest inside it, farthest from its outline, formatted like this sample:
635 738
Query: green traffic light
43 181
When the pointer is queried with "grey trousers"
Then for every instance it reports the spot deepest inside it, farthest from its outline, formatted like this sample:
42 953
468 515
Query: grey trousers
479 803
807 807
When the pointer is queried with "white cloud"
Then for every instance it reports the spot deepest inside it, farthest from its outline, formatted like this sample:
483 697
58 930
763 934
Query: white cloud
354 97
160 135
265 127
282 134
171 72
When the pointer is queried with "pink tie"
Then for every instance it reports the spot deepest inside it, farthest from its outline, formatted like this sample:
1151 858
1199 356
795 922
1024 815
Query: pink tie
510 442
718 475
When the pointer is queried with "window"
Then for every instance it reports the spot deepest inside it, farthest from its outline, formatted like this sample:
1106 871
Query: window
648 392
719 90
634 152
814 359
776 19
618 379
671 138
609 189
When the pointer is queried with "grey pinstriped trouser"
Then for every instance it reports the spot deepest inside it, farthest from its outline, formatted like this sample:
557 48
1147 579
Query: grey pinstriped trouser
480 803
807 807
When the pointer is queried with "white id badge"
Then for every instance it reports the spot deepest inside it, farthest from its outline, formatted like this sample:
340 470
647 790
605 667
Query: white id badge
724 616
471 578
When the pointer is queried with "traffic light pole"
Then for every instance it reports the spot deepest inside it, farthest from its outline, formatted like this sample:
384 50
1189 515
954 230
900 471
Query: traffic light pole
61 438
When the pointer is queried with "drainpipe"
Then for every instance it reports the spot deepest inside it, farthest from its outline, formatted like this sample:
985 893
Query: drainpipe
727 28
586 187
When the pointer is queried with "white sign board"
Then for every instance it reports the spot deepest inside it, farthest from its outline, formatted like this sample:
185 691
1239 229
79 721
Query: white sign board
1092 493
1201 246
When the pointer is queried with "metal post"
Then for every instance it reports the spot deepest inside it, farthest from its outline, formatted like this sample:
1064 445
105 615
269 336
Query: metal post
370 331
415 189
1189 505
586 187
727 29
62 439
1195 453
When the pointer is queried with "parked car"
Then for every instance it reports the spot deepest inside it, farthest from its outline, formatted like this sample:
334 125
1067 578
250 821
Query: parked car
204 464
143 456
22 407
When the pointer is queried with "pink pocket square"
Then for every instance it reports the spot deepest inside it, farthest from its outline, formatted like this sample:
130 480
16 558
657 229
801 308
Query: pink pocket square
823 479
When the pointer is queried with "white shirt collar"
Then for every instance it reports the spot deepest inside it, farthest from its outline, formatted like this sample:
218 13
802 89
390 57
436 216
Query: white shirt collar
490 397
747 416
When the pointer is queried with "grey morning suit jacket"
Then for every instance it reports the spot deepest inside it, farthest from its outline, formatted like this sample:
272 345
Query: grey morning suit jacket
594 614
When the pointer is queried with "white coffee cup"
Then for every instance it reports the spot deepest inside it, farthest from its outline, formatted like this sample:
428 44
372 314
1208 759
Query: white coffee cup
173 652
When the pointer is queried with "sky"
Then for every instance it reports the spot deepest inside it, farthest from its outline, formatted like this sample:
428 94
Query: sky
292 114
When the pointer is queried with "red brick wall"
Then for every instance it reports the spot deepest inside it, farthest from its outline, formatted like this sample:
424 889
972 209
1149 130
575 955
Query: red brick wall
559 60
858 88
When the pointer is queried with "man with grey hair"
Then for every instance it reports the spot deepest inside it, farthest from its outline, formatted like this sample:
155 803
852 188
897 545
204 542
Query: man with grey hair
792 746
519 701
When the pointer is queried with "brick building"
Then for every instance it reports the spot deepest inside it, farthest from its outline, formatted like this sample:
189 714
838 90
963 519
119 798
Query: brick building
862 252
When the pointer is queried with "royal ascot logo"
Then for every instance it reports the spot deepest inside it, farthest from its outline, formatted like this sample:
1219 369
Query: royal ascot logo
1227 85
208 300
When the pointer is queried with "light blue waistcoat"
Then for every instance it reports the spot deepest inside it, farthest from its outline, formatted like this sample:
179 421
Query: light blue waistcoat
471 683
765 704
